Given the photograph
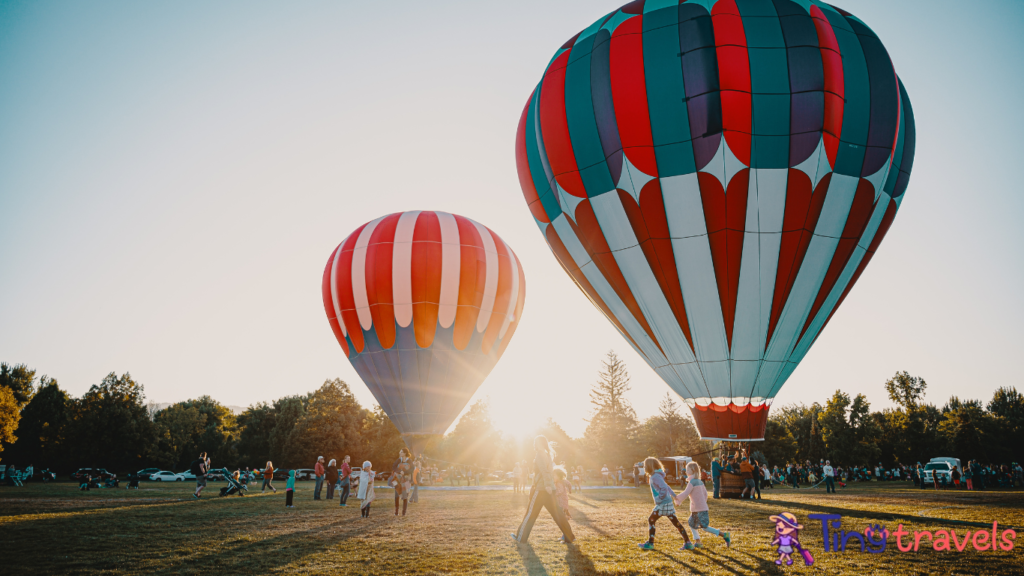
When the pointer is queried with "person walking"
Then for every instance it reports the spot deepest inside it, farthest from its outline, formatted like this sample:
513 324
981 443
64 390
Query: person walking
542 495
664 504
319 471
716 476
830 481
268 477
604 474
345 480
332 477
516 473
199 468
699 519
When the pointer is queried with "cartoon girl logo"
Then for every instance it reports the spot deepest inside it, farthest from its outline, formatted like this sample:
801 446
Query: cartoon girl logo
787 539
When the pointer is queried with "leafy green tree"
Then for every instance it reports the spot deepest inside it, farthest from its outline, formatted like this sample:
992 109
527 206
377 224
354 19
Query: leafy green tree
43 422
669 433
474 438
779 446
382 439
1007 411
965 427
110 426
179 428
330 426
906 390
19 380
288 411
9 416
189 428
611 433
836 430
802 423
566 449
256 424
219 434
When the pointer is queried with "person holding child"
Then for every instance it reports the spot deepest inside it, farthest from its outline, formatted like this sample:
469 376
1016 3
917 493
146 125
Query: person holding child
663 503
698 495
542 495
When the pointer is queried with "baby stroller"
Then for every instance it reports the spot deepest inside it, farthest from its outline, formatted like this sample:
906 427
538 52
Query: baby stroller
133 480
234 486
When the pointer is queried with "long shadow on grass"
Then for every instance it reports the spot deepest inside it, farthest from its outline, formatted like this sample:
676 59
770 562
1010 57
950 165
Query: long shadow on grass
580 518
532 563
854 513
687 567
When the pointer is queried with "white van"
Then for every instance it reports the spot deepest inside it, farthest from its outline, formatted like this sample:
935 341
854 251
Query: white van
943 466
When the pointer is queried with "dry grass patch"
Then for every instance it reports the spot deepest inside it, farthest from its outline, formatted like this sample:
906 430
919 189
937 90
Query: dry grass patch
57 529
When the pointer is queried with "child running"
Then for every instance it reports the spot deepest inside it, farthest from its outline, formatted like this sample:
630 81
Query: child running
699 519
289 490
369 474
562 491
663 498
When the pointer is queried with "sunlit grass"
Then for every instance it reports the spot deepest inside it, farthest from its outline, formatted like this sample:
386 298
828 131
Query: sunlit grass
50 529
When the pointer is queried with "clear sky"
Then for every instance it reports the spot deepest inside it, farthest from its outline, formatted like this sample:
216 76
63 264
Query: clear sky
174 175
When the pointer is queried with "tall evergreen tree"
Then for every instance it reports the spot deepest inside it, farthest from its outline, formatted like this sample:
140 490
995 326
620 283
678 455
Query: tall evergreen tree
611 432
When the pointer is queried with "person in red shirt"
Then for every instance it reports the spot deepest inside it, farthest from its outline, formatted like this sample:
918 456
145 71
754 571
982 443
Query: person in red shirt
319 471
345 479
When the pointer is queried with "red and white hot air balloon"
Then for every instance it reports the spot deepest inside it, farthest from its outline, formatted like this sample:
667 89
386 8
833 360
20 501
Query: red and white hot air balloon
423 304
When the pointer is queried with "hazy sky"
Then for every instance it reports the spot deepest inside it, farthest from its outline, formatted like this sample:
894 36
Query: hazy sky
174 175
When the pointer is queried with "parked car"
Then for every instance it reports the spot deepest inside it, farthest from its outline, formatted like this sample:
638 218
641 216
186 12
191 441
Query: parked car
167 476
187 475
145 473
305 474
42 476
280 474
96 473
215 474
943 467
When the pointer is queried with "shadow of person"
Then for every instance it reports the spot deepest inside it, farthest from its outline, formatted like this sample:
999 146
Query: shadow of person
688 567
578 562
578 517
765 565
532 564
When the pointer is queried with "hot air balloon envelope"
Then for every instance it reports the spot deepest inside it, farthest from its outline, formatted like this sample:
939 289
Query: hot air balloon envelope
715 175
423 304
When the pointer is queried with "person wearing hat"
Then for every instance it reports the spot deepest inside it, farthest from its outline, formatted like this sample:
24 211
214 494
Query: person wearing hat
829 475
319 471
787 537
716 475
368 495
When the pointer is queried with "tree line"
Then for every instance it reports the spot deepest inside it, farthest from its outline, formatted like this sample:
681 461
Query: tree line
111 426
847 432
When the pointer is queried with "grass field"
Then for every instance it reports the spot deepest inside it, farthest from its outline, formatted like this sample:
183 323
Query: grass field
55 529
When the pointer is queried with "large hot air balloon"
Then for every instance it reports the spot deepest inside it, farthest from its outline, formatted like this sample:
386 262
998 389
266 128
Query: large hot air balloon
715 176
423 305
